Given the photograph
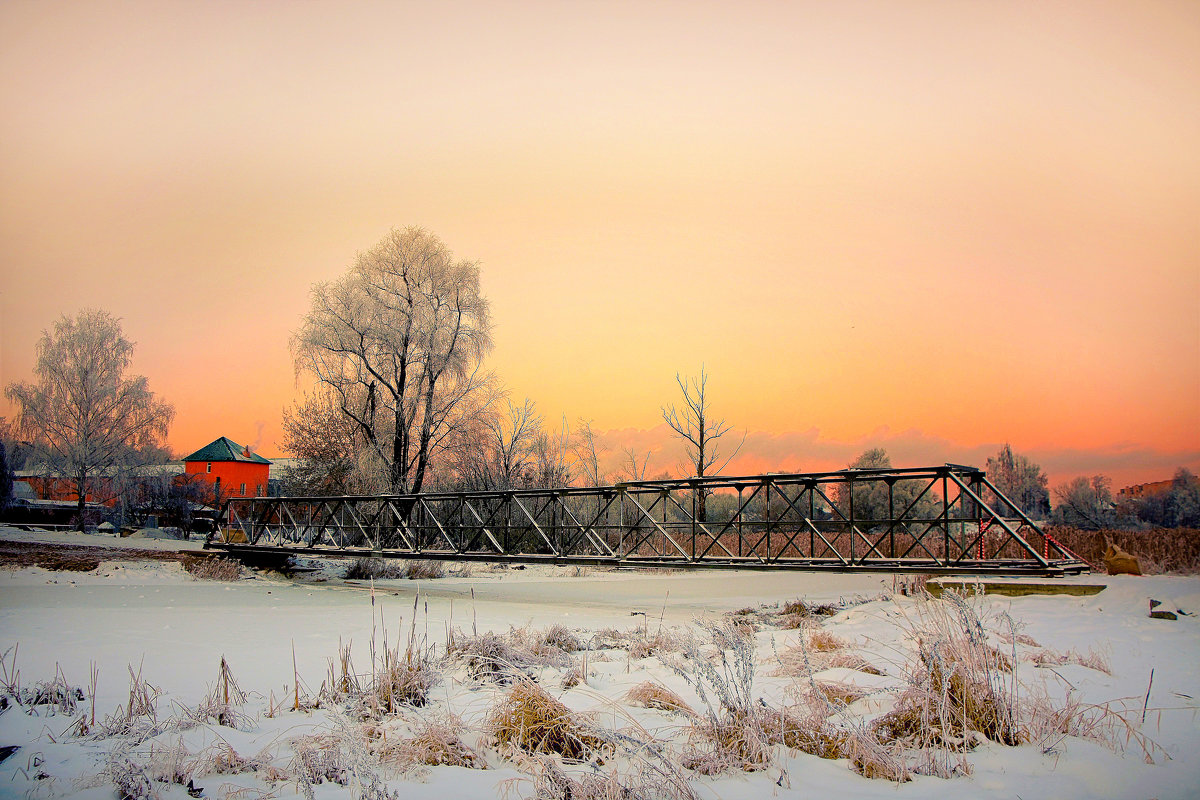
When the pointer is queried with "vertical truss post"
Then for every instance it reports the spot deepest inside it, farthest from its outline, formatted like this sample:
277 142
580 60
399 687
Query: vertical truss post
891 519
694 513
768 517
812 537
739 521
945 522
850 484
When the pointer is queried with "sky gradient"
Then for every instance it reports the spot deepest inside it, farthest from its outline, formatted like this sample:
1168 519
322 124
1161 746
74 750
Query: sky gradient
934 227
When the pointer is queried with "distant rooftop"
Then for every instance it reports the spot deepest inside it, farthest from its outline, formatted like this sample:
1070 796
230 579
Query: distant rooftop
225 449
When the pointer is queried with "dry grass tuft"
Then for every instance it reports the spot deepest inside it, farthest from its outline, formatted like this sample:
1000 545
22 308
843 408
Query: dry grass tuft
529 719
213 569
490 657
435 743
800 662
961 691
1092 659
318 759
222 705
639 642
382 569
138 718
839 694
1012 637
801 609
640 780
558 638
399 678
654 695
825 642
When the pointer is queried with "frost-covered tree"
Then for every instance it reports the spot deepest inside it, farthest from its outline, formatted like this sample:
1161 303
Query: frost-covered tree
398 340
1021 481
1177 507
871 497
1086 503
84 414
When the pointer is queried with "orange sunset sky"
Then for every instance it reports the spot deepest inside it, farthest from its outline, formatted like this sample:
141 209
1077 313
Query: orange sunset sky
933 227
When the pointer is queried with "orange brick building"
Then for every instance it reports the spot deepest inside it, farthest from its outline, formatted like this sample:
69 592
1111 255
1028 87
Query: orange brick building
233 470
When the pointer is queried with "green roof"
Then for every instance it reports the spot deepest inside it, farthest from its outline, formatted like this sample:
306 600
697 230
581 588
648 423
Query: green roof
225 449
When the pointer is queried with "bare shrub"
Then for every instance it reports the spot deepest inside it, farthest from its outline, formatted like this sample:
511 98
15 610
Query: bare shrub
655 695
213 569
529 719
729 733
503 658
131 779
423 570
362 569
318 759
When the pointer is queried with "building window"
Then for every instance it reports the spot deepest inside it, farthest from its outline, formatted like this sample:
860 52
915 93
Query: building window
243 490
209 467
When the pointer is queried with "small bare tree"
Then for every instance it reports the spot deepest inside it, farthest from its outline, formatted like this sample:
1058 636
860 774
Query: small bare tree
587 455
84 414
634 467
552 458
511 440
324 442
700 432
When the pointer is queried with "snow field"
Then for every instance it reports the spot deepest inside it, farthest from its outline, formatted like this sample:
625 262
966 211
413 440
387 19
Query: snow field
175 629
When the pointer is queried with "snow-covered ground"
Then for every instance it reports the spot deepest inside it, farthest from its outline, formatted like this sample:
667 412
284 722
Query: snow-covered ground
155 617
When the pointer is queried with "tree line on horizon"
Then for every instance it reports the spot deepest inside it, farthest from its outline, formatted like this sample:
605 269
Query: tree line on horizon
402 403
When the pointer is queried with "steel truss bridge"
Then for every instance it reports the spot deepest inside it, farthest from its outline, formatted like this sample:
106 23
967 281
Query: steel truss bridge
948 519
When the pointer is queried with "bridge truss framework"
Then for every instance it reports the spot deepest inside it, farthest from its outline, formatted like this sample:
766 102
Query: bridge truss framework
947 519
